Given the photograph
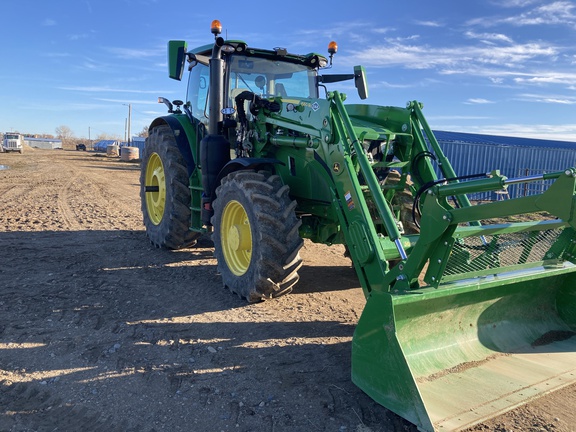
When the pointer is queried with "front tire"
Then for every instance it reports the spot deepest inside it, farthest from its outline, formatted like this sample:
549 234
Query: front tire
164 192
256 239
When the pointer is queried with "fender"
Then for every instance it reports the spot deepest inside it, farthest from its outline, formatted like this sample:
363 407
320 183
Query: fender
232 166
247 163
184 135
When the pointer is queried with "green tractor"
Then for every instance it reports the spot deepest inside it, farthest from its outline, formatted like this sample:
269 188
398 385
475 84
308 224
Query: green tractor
467 315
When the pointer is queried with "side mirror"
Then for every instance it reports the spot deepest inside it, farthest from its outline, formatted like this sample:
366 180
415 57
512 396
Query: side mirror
360 81
176 58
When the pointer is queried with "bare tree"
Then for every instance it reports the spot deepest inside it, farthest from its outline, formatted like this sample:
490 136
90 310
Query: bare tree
65 134
144 132
107 136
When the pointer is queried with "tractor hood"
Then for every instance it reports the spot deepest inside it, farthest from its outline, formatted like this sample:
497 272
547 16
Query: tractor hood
380 123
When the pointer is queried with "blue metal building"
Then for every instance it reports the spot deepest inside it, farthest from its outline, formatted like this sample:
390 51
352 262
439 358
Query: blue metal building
514 157
138 142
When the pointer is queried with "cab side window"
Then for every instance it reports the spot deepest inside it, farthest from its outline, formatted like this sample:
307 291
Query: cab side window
197 95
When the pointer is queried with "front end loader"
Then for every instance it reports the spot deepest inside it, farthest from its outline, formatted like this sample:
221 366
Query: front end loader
470 309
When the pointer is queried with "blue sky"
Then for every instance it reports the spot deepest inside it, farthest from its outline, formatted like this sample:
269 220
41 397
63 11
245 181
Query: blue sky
505 67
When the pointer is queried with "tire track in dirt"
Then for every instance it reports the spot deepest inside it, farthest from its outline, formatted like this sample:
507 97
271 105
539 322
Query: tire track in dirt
14 213
7 192
64 209
123 200
9 200
90 197
85 197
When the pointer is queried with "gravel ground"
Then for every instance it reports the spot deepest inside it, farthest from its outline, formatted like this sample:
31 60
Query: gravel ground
100 331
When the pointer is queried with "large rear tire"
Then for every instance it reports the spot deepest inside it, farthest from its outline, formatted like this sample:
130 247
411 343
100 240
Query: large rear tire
164 192
256 239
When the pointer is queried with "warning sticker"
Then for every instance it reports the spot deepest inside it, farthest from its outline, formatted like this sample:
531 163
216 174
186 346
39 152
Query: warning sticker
349 200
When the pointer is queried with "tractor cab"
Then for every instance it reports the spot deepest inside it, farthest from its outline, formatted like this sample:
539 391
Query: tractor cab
264 73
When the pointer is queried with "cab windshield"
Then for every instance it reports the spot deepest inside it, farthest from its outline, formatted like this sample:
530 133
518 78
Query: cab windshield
270 78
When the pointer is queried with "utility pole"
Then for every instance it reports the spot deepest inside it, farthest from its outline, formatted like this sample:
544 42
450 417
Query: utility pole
129 121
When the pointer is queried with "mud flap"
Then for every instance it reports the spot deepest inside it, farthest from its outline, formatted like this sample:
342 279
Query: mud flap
449 358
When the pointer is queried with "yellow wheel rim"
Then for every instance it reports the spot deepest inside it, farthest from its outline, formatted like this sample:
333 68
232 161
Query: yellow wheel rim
236 238
156 186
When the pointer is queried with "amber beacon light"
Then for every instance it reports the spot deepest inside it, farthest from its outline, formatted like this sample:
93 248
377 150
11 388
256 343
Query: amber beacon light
216 27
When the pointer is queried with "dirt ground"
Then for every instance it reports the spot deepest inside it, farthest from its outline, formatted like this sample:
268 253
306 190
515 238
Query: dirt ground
100 331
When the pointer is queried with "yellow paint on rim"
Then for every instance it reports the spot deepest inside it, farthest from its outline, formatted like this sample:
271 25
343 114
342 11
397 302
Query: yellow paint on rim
236 237
155 177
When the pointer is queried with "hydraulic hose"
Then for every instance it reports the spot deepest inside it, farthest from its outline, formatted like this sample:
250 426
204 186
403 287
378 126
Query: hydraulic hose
426 186
257 103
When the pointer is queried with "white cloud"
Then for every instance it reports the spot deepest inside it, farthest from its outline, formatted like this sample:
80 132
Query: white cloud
555 13
429 23
351 30
514 3
387 85
493 37
475 101
545 77
456 117
383 30
500 60
89 65
48 22
560 132
452 58
548 99
79 36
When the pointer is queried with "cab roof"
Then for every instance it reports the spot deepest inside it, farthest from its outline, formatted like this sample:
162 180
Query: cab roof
313 60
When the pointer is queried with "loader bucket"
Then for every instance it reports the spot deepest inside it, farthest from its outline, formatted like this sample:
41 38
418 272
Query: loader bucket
449 357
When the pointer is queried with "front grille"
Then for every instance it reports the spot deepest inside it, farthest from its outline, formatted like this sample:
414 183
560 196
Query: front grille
479 255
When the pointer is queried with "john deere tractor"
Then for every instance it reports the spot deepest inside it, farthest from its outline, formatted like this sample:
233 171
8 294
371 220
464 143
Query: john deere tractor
467 314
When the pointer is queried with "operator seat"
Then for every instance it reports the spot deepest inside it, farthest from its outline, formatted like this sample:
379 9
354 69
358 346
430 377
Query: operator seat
280 90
